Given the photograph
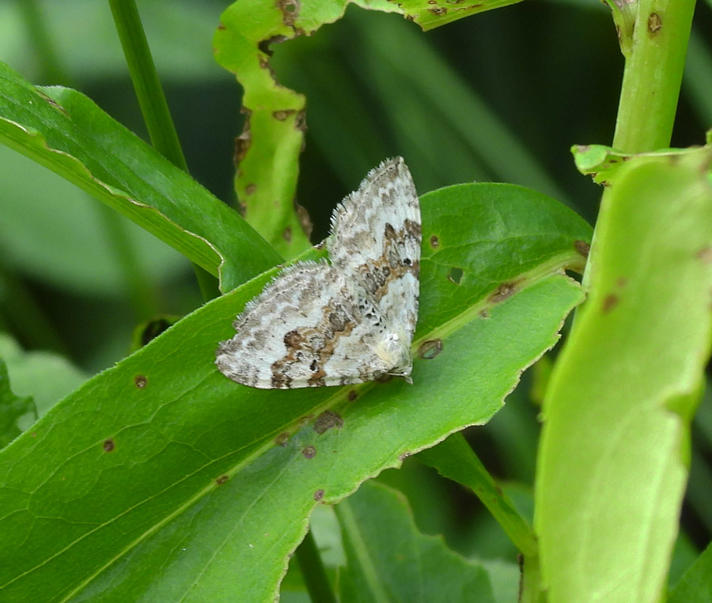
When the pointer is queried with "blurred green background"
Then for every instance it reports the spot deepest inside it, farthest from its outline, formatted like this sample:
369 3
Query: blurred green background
499 96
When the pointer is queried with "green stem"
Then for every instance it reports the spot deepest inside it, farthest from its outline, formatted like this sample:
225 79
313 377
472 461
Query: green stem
152 102
652 75
313 572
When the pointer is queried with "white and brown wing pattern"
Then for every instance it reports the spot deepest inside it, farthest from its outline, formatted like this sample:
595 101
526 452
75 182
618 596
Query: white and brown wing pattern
348 321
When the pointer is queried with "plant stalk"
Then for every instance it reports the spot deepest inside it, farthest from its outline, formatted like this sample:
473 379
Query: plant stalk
152 102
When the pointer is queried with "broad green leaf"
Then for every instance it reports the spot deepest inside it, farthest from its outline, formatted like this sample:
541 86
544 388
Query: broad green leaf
267 151
614 455
455 460
161 479
45 376
388 559
696 583
66 132
12 408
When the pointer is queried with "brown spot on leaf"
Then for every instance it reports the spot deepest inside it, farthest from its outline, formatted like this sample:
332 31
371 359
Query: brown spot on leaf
622 281
250 188
300 121
309 452
430 348
582 247
352 395
318 494
610 302
327 420
705 255
221 27
304 219
455 275
289 10
438 10
282 439
221 480
109 445
504 291
242 145
282 114
655 23
140 381
434 242
484 313
287 234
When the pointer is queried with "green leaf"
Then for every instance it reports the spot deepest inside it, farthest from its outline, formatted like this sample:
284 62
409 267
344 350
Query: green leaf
12 408
66 132
696 583
44 376
614 456
388 559
161 479
455 460
268 149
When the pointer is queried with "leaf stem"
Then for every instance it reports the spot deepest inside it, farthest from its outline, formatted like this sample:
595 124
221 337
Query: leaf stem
152 102
313 571
652 75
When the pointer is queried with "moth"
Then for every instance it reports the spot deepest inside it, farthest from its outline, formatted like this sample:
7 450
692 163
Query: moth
347 320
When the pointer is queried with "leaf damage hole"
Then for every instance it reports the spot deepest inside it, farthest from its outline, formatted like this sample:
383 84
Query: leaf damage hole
327 420
455 275
140 381
438 10
309 452
430 348
582 247
221 480
434 242
108 445
154 328
318 494
265 45
610 302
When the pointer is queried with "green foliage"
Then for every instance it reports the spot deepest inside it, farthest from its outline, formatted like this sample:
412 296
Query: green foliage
378 529
187 451
158 479
64 131
650 281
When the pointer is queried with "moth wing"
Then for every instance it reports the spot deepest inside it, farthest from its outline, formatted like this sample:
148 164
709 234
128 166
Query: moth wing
304 330
376 238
